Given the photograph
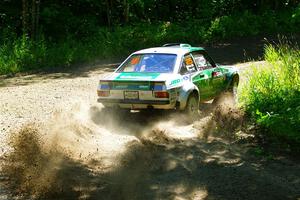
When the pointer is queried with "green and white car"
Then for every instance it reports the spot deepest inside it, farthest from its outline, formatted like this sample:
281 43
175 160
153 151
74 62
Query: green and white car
174 76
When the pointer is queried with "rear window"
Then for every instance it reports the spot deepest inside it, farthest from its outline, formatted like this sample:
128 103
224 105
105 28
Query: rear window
161 63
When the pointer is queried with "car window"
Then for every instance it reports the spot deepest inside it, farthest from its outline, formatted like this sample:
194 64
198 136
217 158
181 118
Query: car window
156 62
201 61
188 65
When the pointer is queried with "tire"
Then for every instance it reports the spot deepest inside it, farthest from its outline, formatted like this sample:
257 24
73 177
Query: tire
233 90
192 107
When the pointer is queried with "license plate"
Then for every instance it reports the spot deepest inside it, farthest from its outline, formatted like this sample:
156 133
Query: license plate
131 95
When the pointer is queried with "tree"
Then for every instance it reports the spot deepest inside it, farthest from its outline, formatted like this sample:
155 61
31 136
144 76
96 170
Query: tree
126 11
25 17
109 12
30 17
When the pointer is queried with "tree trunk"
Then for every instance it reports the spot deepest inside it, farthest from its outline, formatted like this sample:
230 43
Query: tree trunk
276 5
108 13
37 18
30 17
33 17
25 17
126 11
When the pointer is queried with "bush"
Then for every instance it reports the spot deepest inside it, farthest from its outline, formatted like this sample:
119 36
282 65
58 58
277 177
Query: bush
235 25
272 93
21 54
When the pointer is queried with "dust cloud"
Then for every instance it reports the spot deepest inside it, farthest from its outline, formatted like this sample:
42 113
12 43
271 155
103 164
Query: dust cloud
90 152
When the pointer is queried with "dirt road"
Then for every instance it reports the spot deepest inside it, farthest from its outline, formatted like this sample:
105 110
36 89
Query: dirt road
58 143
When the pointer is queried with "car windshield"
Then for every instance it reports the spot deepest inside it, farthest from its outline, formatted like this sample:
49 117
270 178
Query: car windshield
156 62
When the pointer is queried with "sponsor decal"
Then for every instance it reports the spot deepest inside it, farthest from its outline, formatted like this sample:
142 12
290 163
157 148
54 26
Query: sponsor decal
137 76
217 74
135 60
188 61
135 86
186 78
174 82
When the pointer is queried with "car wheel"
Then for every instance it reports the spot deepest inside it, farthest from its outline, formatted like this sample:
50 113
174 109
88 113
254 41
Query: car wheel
192 107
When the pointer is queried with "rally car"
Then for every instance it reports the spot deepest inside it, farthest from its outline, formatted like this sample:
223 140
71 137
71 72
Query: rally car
174 76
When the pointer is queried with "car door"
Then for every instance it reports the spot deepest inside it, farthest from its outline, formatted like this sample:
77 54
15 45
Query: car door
199 78
205 69
216 75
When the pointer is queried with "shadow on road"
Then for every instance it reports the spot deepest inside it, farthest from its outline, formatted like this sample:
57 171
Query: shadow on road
245 49
157 166
40 77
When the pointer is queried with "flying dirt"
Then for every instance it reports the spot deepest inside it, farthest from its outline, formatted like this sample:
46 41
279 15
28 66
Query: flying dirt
57 143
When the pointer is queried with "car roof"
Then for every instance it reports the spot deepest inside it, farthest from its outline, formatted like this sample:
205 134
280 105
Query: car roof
178 49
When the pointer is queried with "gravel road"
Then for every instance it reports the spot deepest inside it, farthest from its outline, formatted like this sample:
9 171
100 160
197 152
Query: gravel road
82 152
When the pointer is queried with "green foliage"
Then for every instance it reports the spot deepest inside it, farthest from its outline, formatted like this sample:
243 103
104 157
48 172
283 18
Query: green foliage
60 18
247 23
22 53
272 93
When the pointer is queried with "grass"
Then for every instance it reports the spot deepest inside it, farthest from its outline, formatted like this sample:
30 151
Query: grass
272 94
